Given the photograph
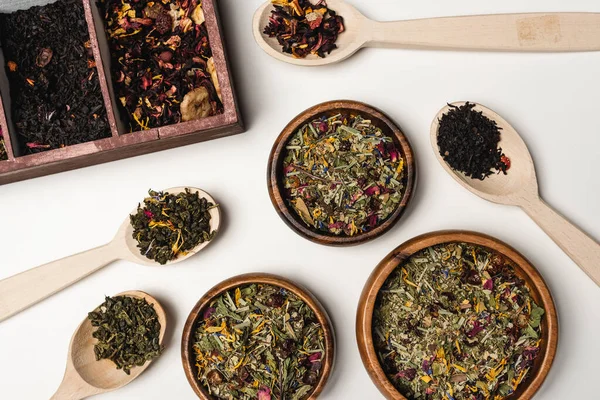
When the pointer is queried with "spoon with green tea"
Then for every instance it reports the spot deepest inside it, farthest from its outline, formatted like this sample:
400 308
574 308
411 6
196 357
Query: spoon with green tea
84 376
519 187
536 32
30 287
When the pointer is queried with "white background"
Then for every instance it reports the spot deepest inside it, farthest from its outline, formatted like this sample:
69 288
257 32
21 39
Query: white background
553 100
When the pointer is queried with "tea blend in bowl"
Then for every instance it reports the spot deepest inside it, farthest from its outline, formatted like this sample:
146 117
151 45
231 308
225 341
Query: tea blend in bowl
456 322
304 28
468 142
342 175
128 332
54 86
259 341
170 225
162 66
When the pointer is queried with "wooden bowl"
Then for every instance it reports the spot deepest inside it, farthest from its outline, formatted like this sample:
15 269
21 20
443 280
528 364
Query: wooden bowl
188 356
523 269
274 171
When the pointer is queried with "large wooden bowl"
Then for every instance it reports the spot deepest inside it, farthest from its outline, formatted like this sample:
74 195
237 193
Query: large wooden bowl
188 356
274 171
523 269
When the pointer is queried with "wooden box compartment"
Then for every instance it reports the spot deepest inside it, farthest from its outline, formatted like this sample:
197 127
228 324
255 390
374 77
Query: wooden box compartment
121 144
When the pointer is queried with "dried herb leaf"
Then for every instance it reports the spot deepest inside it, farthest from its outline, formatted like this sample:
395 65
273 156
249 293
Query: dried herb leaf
128 332
456 322
468 142
343 175
171 225
259 342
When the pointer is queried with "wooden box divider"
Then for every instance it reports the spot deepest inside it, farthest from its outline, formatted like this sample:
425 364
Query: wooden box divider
122 144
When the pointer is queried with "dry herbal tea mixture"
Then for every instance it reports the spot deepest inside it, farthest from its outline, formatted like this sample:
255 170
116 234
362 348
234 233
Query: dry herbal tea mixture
304 28
456 323
343 175
468 142
162 65
259 342
3 154
128 332
54 87
170 225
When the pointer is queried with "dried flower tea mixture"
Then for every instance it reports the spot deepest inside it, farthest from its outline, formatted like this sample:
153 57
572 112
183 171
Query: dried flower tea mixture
54 86
3 154
304 28
468 142
259 342
170 225
128 332
162 65
343 175
455 322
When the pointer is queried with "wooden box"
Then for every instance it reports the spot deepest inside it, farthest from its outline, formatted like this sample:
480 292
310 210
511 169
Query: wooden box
121 144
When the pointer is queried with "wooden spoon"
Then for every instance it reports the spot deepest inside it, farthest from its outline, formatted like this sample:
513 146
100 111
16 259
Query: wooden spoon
549 32
520 188
84 375
30 287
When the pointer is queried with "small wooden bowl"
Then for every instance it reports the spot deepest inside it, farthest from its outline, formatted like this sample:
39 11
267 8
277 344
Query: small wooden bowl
274 171
523 269
188 356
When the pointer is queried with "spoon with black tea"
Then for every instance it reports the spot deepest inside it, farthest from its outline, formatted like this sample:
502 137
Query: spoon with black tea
519 187
536 32
84 376
30 287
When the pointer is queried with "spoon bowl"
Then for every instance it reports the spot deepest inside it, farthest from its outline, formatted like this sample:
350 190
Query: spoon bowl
520 182
348 42
519 187
84 376
125 234
30 287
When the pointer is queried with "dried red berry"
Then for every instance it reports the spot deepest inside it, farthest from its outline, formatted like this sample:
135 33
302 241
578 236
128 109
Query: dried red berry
164 23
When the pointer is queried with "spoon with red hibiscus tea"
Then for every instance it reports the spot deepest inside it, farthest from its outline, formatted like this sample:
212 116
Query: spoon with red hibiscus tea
510 178
311 33
168 228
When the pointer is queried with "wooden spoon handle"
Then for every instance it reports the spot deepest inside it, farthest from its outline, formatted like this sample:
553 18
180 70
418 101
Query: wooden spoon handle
503 32
27 288
73 387
582 249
